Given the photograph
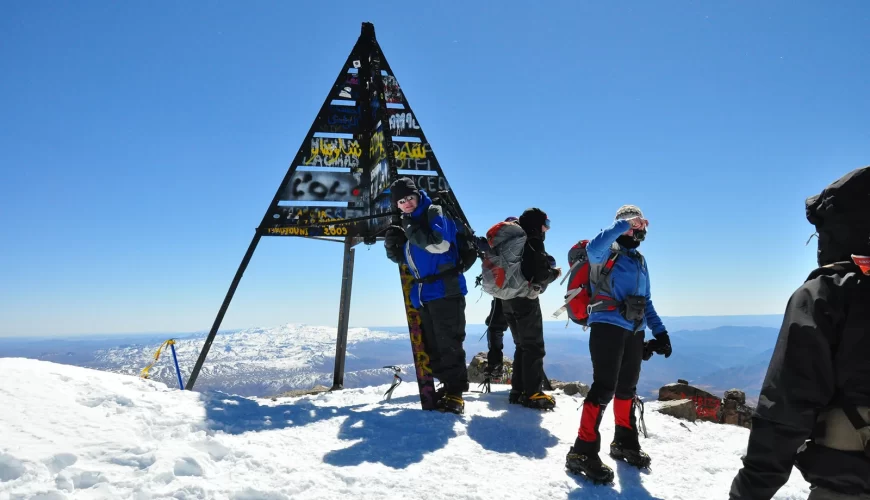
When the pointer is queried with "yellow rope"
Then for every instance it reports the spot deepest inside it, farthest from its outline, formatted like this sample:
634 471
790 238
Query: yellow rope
144 373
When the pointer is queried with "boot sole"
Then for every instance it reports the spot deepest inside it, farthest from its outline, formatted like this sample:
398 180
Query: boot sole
598 481
623 458
445 410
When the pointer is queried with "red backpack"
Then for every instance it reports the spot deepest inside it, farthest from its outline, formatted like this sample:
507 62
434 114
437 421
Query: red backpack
579 292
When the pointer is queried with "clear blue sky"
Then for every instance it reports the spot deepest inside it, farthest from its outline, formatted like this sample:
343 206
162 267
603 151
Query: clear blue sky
141 143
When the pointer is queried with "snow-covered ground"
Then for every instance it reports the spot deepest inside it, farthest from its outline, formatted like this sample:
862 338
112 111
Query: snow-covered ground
70 432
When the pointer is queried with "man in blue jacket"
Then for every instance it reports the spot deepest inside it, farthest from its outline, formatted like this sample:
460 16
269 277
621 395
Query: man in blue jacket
426 242
620 309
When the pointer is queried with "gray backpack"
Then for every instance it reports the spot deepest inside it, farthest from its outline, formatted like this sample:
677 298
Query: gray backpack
502 275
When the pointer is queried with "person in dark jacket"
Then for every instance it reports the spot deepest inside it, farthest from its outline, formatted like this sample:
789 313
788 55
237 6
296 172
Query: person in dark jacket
426 242
524 317
621 309
814 407
496 324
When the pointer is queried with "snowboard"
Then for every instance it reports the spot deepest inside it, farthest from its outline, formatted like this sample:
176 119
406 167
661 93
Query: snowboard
422 366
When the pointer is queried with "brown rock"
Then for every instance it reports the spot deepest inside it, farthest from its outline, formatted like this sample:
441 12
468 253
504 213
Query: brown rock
478 365
735 413
706 405
680 408
736 395
570 388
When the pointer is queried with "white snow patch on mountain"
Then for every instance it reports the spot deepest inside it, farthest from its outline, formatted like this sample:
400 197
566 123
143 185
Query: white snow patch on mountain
256 361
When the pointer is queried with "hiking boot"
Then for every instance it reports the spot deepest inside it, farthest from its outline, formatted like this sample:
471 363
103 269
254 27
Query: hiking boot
540 401
515 397
440 393
494 374
630 455
452 403
589 466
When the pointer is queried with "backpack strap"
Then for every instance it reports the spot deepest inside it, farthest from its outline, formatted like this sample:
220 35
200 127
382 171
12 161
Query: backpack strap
572 294
453 271
605 302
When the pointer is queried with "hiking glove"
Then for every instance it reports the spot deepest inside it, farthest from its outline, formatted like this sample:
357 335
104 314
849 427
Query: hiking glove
409 224
394 236
660 344
394 240
647 351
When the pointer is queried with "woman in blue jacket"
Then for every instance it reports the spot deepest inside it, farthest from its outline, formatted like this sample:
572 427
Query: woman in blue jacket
620 309
426 242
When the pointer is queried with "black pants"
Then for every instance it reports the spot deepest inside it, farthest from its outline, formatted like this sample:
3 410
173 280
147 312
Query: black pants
616 357
496 324
527 328
443 335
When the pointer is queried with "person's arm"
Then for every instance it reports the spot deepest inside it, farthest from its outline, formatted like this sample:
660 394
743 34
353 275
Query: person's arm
535 266
436 237
598 247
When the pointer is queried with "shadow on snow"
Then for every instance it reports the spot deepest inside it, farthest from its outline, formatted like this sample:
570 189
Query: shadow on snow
395 437
515 430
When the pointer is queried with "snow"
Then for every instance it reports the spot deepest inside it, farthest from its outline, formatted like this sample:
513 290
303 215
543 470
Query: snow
255 361
71 432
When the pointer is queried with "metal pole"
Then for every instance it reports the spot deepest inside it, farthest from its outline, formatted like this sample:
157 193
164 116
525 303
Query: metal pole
220 315
343 314
177 369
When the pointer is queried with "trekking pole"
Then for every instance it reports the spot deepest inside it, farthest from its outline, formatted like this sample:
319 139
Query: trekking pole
638 403
177 369
340 222
485 386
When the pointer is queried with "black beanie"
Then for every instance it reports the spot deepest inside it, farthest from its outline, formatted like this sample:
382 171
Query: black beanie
841 214
532 220
401 187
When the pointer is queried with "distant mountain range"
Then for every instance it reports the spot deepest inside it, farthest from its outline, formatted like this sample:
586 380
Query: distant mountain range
269 361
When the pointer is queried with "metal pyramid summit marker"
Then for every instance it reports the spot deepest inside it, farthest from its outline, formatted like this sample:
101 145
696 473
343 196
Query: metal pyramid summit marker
364 136
336 188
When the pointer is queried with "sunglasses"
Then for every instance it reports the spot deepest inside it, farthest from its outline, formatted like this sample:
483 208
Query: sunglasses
547 223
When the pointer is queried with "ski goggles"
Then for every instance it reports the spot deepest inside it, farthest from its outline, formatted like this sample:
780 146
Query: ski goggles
547 223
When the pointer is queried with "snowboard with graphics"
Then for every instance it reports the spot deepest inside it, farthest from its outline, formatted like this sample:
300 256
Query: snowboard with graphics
422 365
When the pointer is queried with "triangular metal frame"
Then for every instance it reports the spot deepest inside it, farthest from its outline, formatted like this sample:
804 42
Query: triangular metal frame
364 137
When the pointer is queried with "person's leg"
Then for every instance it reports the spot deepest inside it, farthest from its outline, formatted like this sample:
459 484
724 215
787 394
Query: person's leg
626 387
448 326
606 344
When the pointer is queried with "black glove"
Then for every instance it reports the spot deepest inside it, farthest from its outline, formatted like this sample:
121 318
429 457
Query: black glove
408 223
660 344
394 237
394 242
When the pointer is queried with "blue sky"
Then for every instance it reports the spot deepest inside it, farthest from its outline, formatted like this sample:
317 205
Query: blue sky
141 143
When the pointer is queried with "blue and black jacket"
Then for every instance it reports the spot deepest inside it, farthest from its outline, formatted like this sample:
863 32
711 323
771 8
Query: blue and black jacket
430 250
629 276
